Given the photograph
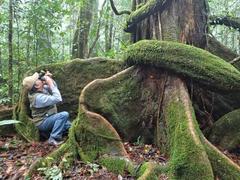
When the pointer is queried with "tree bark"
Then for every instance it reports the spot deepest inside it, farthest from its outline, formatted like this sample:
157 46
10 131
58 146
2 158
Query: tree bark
215 47
28 44
188 28
1 64
10 51
109 31
80 41
98 29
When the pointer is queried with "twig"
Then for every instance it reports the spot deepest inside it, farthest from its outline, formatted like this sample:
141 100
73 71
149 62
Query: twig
235 60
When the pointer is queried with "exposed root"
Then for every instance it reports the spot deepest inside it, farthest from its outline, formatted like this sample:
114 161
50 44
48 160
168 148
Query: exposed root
98 121
222 166
189 112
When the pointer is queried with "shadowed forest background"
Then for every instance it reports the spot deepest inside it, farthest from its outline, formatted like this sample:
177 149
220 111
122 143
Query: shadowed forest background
150 109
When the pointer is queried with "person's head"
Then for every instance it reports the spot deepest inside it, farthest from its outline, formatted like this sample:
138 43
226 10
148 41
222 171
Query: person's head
33 83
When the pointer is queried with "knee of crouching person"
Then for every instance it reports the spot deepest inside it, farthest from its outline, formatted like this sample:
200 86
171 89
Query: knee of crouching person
65 114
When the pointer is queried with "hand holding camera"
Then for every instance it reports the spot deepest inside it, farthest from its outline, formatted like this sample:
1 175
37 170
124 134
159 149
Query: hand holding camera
43 74
46 77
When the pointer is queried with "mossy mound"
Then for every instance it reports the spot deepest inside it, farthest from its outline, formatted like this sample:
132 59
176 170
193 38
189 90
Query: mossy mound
130 106
191 62
225 132
71 77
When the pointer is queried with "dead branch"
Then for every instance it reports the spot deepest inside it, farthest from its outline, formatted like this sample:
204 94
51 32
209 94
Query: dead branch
116 11
235 60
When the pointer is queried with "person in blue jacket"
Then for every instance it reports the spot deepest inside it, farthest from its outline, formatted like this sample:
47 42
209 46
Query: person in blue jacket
43 95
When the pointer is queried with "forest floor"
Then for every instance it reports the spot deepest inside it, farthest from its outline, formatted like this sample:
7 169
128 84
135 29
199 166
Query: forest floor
16 156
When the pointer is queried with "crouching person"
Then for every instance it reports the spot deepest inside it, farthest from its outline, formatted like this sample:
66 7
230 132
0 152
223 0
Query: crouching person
43 95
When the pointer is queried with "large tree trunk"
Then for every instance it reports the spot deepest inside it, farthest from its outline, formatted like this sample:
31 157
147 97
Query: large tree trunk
189 27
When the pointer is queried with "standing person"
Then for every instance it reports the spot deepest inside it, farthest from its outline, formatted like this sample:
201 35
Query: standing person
43 95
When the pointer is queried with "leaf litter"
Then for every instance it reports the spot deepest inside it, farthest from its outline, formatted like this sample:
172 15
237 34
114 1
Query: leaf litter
16 156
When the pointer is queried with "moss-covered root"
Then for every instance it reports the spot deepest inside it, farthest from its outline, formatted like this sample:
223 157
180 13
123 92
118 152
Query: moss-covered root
118 165
222 166
121 165
191 62
26 129
225 132
96 136
151 171
188 159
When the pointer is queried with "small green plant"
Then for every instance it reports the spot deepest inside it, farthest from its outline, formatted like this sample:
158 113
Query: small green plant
93 168
53 173
139 141
5 100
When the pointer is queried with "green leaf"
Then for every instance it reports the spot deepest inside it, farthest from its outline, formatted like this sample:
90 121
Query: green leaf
7 122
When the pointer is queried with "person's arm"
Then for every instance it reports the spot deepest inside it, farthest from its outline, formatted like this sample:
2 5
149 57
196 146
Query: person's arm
43 100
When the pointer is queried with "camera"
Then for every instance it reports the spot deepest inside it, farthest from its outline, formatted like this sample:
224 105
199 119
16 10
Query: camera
41 75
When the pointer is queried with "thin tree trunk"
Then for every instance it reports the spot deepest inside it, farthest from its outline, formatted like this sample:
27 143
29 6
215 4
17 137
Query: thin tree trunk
80 41
239 43
98 21
109 30
110 40
63 48
36 44
10 52
1 64
19 74
28 44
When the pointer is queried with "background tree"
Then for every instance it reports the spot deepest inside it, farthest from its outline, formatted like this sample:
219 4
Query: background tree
10 51
80 41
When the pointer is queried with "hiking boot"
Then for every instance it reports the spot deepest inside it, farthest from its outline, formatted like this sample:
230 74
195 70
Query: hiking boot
54 142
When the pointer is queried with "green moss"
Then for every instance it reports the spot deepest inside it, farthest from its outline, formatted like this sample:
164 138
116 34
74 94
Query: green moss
93 139
191 62
117 104
221 165
147 171
26 129
225 132
141 10
188 159
117 165
127 102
